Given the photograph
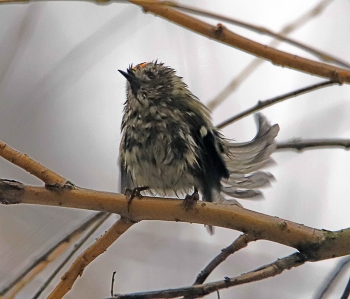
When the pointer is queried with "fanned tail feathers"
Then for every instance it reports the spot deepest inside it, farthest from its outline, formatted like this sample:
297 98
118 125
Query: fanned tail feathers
246 158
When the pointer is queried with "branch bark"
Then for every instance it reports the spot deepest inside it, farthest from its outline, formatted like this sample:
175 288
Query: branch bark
316 244
225 36
35 168
77 246
88 256
22 279
300 144
281 36
197 291
275 100
238 244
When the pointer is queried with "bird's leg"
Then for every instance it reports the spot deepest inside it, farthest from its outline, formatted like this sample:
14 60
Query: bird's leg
132 193
191 200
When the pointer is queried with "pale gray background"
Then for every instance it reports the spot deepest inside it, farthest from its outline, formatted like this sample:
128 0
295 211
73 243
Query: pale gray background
61 100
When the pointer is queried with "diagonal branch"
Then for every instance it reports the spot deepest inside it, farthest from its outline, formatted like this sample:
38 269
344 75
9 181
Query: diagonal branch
264 104
196 291
77 246
225 36
340 269
88 256
48 176
263 30
39 264
295 24
241 242
346 292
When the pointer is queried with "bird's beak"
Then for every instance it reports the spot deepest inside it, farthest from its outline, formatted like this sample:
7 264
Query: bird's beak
132 79
129 76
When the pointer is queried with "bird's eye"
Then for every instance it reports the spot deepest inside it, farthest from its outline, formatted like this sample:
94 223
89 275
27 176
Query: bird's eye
150 75
144 95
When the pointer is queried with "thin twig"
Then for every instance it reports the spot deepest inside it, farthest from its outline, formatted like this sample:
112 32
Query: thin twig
40 263
89 255
241 242
263 30
197 291
346 292
336 273
263 104
73 251
112 284
244 74
300 145
35 168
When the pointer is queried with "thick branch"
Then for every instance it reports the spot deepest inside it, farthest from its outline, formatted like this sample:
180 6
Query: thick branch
317 244
222 34
249 69
263 30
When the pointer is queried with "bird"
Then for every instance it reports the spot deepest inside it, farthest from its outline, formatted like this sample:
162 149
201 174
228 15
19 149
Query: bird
169 144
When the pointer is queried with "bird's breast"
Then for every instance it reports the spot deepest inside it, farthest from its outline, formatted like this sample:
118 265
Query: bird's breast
159 155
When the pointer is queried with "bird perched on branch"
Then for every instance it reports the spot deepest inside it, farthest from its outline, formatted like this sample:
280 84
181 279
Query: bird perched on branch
170 145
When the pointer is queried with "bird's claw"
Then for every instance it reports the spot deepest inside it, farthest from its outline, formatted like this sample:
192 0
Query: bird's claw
191 200
132 193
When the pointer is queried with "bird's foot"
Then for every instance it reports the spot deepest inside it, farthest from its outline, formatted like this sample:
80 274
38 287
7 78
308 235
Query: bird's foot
132 193
191 200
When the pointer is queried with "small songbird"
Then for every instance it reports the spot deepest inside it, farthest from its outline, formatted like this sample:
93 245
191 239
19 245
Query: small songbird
170 145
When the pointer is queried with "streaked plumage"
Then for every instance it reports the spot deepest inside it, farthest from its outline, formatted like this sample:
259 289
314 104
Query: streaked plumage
169 143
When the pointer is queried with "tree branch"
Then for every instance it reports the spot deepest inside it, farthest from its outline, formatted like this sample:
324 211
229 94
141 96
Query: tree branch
295 24
241 242
223 35
88 256
265 31
40 263
300 145
317 244
77 246
340 268
197 291
48 176
263 104
346 292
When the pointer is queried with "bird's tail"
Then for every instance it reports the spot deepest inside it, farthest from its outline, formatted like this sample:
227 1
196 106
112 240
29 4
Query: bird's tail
245 160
